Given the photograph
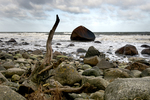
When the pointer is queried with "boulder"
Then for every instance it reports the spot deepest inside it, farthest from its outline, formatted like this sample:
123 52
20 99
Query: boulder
82 34
25 55
10 72
8 94
127 50
136 73
81 50
113 73
15 78
92 60
146 72
25 43
103 64
2 78
137 66
86 66
145 46
5 56
12 40
92 51
8 65
128 89
56 53
66 74
96 83
99 95
37 52
146 51
91 72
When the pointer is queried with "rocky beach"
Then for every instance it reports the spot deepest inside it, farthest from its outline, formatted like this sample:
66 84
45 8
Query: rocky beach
113 67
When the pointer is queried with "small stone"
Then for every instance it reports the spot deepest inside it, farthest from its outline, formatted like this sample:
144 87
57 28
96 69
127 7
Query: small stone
15 78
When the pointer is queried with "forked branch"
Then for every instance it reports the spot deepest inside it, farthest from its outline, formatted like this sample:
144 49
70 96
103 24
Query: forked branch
49 53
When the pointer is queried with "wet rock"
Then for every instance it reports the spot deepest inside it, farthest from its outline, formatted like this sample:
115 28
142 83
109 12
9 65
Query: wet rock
97 83
12 40
146 72
8 94
15 78
137 66
58 43
128 89
99 95
56 53
5 56
146 51
86 66
67 74
127 50
25 43
97 42
25 55
14 86
2 68
71 45
136 73
2 78
37 52
92 51
92 60
10 72
82 34
113 73
91 72
8 65
145 46
103 64
81 50
134 59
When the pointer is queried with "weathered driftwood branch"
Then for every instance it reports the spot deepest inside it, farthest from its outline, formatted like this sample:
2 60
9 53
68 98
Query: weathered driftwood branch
35 76
49 53
69 90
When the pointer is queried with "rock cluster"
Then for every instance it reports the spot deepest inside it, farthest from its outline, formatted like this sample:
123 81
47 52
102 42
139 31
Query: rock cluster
108 80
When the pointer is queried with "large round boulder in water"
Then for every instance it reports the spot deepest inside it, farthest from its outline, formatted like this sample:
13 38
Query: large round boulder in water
127 50
82 34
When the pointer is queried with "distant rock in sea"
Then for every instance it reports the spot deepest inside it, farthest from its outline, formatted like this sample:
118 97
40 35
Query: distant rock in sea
82 34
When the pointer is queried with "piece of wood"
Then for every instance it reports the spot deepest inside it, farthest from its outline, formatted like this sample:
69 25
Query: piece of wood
69 90
49 53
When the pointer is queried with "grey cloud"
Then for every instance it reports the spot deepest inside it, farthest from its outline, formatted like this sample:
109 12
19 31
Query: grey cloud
125 9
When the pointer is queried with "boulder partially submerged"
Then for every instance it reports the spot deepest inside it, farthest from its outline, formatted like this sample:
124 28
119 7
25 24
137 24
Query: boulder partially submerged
82 34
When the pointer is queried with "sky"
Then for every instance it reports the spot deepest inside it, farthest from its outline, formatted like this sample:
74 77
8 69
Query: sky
96 15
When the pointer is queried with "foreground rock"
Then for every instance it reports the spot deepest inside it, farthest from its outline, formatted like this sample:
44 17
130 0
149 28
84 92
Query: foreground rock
67 74
97 83
146 51
113 73
7 94
128 89
82 34
10 72
127 50
137 66
92 60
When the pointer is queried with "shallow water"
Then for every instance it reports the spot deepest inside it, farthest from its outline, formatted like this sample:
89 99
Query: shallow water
108 43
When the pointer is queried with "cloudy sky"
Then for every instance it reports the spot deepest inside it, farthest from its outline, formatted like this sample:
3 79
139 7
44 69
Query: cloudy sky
96 15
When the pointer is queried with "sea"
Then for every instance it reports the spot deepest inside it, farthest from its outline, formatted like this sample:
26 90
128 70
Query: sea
110 42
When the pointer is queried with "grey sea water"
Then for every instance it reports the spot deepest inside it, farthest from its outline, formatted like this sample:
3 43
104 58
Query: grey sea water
110 42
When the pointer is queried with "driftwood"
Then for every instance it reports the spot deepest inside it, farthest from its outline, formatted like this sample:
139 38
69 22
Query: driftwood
49 53
69 90
36 75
